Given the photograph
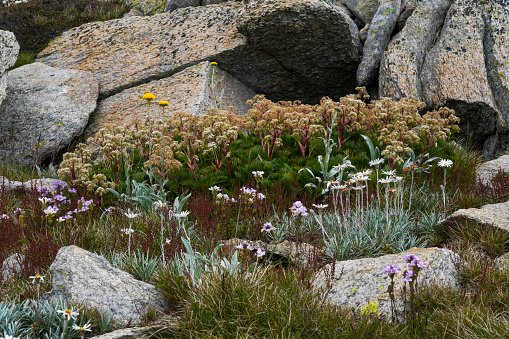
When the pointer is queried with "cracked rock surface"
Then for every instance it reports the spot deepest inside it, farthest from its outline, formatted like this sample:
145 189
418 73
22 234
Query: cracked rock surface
83 277
288 50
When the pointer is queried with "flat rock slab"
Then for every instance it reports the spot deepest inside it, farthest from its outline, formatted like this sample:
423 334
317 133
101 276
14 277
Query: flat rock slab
45 109
296 254
9 49
11 266
286 49
362 281
192 90
491 168
133 333
32 184
83 277
492 215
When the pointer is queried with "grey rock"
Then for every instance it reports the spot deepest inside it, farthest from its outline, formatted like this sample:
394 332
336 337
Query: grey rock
489 169
408 8
46 108
12 266
362 9
192 90
378 37
401 65
32 184
363 33
468 69
288 50
296 254
362 281
133 333
502 262
492 215
83 277
9 49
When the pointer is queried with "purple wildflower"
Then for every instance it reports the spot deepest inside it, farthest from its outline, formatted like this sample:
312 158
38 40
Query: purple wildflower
59 198
391 270
72 190
408 276
260 253
267 227
59 185
298 209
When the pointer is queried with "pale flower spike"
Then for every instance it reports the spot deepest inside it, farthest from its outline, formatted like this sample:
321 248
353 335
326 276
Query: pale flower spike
131 215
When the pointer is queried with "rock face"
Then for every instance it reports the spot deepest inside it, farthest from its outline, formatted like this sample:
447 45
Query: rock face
362 281
133 333
12 266
364 10
378 37
193 90
298 255
401 65
45 109
288 50
492 215
491 168
45 183
83 277
464 67
9 49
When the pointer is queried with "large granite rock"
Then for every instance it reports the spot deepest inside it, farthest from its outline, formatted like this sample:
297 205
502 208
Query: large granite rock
492 215
32 184
407 9
45 109
83 277
489 169
134 333
12 266
465 67
364 10
193 90
362 281
9 49
289 252
401 65
379 34
285 49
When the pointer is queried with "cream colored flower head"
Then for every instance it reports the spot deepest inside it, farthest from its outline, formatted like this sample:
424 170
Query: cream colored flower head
68 314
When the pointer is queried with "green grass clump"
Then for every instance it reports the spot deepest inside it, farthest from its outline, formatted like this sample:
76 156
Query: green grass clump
36 22
268 303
